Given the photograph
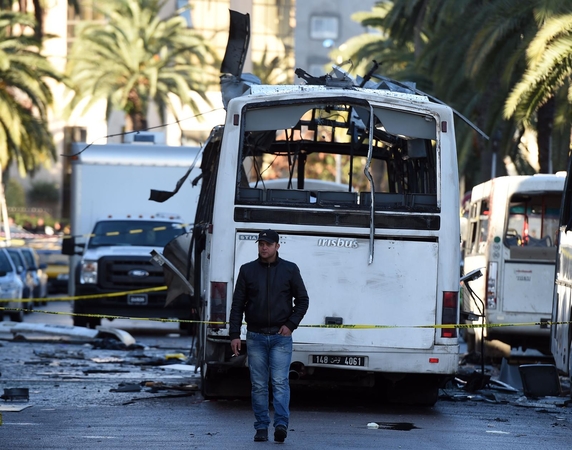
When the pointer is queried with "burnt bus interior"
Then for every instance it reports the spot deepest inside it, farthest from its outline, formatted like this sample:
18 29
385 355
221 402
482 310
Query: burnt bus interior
317 156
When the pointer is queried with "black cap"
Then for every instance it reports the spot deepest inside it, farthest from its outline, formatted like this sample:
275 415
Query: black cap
268 236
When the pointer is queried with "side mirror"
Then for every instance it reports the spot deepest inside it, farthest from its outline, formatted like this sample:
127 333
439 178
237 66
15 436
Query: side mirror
472 275
69 246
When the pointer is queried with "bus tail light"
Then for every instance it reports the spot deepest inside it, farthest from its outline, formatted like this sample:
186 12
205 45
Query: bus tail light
217 317
449 316
492 273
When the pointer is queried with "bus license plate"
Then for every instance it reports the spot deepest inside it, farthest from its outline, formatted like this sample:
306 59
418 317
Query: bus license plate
137 299
339 360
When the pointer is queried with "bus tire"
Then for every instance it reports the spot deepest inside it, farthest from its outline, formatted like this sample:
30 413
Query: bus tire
188 329
205 387
418 390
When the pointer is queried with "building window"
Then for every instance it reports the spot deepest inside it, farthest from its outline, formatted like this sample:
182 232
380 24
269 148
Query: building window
324 27
87 13
184 10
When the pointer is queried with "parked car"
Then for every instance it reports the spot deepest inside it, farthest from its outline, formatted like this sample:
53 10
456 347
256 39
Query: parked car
57 269
25 275
11 286
39 274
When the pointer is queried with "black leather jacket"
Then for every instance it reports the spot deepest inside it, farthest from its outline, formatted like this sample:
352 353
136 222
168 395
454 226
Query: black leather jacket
264 294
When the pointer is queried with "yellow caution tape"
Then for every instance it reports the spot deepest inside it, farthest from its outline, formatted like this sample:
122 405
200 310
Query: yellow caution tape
105 316
349 326
82 297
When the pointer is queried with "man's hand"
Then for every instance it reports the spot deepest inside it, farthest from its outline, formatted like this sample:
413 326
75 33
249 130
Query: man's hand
285 331
235 345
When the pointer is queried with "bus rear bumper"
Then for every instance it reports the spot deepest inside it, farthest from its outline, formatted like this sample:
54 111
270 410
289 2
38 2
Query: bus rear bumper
439 360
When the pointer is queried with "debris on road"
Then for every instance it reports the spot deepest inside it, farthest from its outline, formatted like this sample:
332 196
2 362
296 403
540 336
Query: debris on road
16 394
156 386
127 387
88 334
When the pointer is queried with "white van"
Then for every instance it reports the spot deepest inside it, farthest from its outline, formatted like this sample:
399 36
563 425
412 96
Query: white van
512 234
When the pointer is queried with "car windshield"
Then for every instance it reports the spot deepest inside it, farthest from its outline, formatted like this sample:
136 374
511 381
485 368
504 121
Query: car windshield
533 220
53 257
17 258
5 265
29 257
149 233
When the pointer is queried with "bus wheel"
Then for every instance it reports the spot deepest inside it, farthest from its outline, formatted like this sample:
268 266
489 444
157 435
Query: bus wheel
420 390
189 329
87 322
205 388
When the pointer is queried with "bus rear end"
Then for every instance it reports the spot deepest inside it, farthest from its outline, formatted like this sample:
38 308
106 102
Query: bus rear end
362 186
514 231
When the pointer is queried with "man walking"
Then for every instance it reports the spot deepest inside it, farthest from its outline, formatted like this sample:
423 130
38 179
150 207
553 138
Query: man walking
271 294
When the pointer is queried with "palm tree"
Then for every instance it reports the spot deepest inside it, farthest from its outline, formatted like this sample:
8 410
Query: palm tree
548 78
271 70
394 57
24 96
138 57
469 54
37 7
24 101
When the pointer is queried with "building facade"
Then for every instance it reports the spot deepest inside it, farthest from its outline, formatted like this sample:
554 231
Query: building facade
285 35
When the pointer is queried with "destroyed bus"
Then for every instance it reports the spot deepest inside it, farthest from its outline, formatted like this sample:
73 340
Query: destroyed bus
378 247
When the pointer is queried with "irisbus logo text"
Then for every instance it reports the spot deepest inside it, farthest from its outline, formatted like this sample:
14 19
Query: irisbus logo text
348 243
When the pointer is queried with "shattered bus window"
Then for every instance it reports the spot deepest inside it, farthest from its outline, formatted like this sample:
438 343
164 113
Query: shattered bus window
312 155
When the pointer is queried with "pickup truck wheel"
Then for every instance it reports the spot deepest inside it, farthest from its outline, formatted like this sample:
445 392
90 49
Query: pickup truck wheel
80 321
17 316
93 322
29 306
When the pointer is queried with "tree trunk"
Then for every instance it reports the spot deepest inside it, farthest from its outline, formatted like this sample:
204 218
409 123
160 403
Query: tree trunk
138 121
137 111
4 213
39 16
545 122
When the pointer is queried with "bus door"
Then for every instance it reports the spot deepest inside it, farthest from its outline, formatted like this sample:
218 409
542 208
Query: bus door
530 234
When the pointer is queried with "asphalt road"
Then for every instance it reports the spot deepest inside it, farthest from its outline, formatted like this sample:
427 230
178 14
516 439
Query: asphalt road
82 397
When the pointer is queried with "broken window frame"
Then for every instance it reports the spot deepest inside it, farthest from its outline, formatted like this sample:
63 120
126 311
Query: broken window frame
298 130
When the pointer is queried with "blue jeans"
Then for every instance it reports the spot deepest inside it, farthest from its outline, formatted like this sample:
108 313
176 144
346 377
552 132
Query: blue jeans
269 358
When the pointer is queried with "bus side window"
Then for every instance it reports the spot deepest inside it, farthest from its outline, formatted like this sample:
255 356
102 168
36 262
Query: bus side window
483 225
474 237
471 245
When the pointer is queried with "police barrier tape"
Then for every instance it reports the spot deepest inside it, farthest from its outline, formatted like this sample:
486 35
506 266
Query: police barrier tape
349 326
82 297
162 288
